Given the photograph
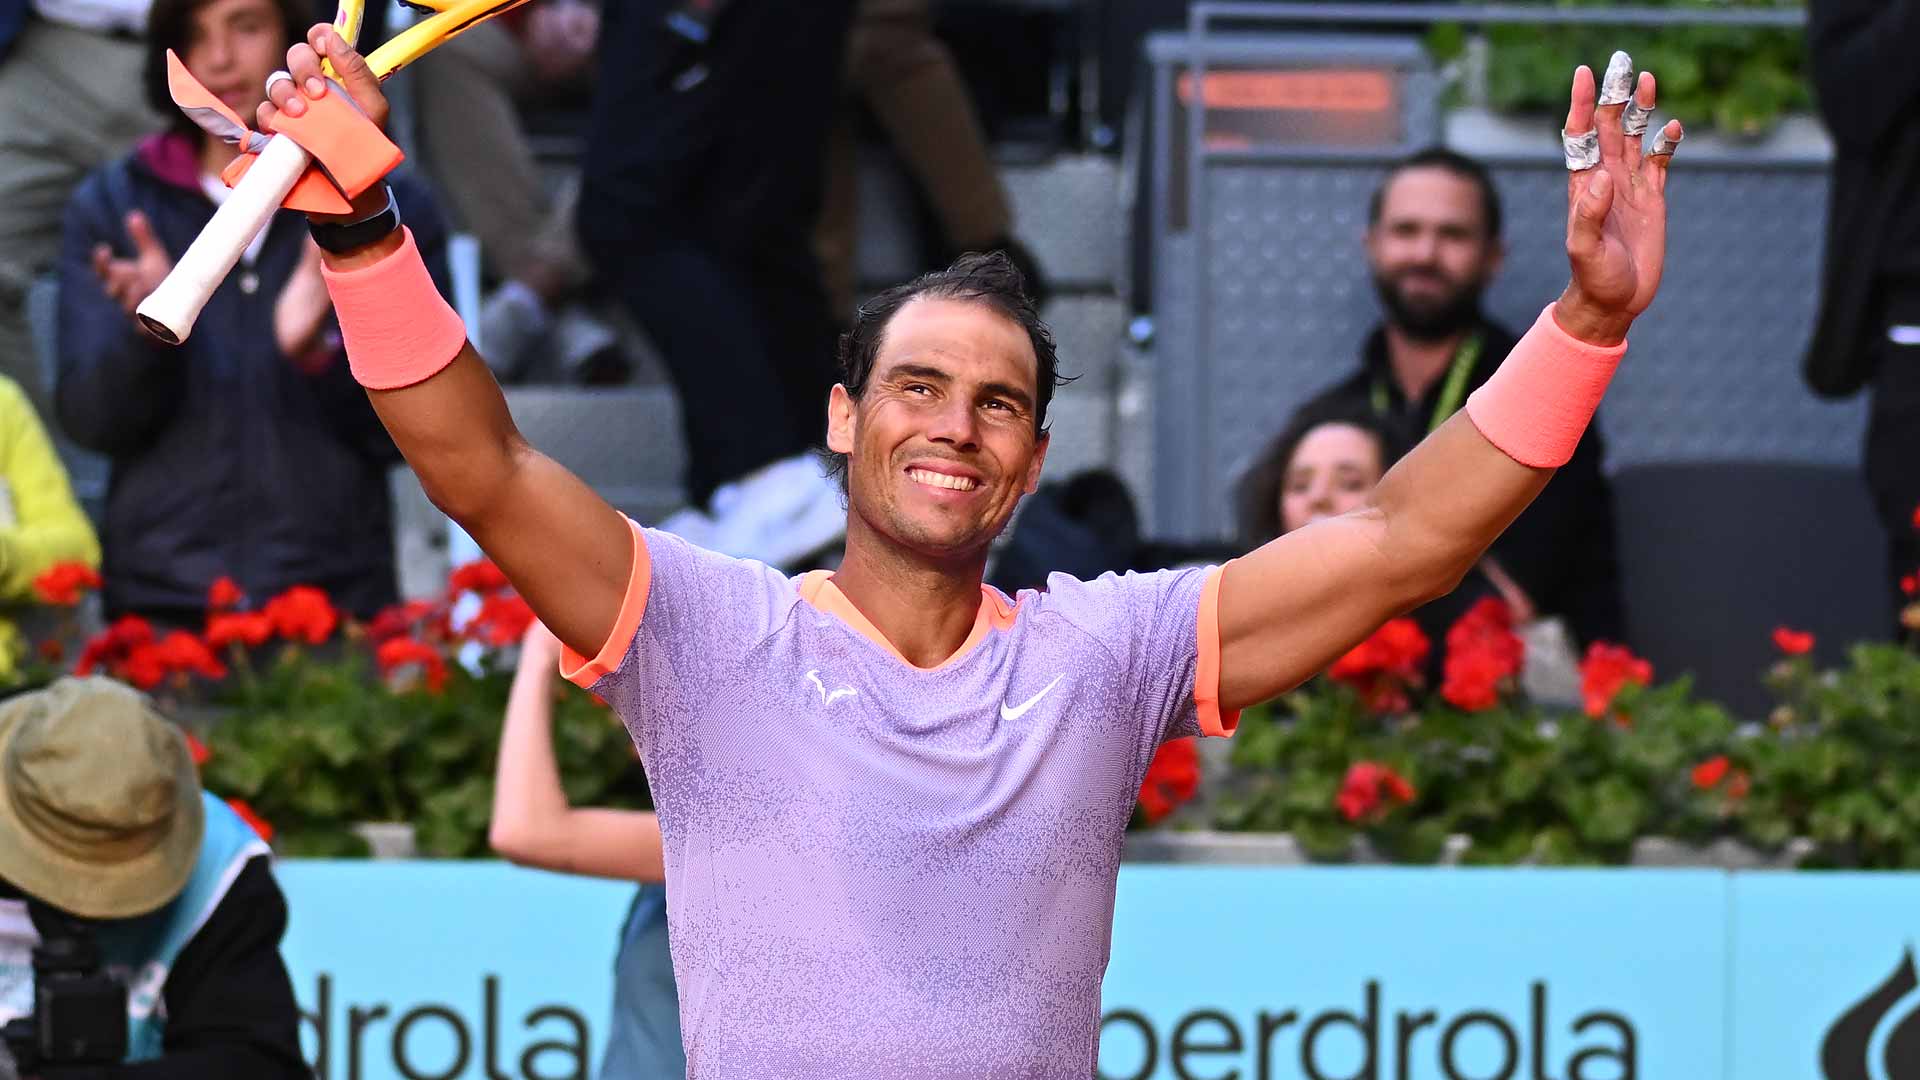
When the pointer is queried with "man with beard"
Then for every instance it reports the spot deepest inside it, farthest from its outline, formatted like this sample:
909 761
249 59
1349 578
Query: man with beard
1433 245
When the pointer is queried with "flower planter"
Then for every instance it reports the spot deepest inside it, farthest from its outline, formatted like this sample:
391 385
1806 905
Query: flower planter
1725 853
1255 849
388 839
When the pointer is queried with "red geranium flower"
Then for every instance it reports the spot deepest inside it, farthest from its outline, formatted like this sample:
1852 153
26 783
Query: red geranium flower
250 628
1792 642
400 652
303 613
480 576
1605 671
62 583
181 651
113 645
1909 584
224 594
1172 778
1710 772
1369 785
1482 653
1916 517
258 823
1739 784
503 619
400 619
1397 648
197 750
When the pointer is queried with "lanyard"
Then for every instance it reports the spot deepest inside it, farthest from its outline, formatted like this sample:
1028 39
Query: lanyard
1464 358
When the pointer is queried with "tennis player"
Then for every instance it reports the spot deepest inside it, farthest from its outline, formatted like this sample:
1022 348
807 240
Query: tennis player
893 799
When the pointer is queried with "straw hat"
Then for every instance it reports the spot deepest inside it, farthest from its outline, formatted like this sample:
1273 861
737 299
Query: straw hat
100 811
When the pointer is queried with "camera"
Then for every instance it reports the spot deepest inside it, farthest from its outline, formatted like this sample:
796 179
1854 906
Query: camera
79 1011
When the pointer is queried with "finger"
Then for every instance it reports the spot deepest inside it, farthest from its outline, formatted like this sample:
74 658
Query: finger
1661 156
283 95
102 262
303 63
1579 121
263 117
1616 89
1588 214
140 231
353 72
1634 120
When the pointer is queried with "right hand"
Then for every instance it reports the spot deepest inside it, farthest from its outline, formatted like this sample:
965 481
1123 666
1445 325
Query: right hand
310 83
129 281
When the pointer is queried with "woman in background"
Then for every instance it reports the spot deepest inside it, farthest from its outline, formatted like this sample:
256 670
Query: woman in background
533 825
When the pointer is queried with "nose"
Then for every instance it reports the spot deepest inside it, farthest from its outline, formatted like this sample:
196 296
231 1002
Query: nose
1320 497
956 424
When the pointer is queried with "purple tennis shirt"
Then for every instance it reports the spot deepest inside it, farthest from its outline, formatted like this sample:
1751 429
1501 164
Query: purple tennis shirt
882 871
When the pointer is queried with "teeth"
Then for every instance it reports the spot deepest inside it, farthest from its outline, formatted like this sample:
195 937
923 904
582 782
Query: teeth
952 483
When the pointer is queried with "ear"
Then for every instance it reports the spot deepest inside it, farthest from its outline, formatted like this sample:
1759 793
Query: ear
840 420
1039 458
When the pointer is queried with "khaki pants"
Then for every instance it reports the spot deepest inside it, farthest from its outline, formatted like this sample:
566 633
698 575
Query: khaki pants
907 78
477 153
70 102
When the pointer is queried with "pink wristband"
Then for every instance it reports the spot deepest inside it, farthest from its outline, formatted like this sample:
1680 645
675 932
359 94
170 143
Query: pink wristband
397 328
1540 401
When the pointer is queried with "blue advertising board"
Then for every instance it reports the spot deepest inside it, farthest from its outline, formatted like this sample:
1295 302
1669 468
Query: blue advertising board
1824 983
442 971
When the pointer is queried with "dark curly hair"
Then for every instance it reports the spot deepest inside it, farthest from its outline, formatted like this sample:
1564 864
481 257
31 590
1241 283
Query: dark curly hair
1257 496
988 278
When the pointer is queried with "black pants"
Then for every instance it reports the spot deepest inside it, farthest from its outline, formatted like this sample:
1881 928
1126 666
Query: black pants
1893 438
698 207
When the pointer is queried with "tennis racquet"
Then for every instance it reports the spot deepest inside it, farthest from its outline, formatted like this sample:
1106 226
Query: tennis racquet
169 312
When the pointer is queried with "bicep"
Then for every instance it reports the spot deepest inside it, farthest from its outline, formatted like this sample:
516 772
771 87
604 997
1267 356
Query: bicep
1297 603
564 548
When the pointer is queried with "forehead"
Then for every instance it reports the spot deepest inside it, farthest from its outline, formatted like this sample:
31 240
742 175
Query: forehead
1336 444
966 338
1430 193
214 11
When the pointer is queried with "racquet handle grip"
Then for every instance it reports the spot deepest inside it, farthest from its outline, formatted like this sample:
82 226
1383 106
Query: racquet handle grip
170 311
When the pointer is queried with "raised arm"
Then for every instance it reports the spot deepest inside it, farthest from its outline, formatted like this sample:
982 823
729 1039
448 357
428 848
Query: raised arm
564 548
532 823
1294 605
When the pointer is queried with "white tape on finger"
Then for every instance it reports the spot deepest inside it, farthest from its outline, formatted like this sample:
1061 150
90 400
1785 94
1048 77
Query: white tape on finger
278 76
1634 121
1617 87
1664 145
1582 150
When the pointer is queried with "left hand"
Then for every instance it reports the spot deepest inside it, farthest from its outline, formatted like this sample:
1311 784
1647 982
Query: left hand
301 310
1616 219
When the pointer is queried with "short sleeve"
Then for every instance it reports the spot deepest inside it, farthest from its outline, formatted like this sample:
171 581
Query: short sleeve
1163 629
688 613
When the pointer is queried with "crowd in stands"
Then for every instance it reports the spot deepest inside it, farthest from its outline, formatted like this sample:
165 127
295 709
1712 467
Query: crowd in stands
715 210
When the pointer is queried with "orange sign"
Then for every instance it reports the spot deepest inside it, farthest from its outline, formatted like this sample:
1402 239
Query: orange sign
1315 90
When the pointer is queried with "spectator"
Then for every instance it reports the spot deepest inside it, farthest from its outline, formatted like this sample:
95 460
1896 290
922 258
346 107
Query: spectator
1433 245
1326 463
534 826
472 138
40 523
701 192
106 839
249 451
67 106
1868 333
907 79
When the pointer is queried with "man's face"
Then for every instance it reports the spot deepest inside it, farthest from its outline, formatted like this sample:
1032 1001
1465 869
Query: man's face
232 46
942 445
1430 252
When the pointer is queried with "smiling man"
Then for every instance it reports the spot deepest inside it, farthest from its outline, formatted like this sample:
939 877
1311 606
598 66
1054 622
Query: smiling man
892 799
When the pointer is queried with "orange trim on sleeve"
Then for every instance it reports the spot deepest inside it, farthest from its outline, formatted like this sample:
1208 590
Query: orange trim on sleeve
584 673
1206 679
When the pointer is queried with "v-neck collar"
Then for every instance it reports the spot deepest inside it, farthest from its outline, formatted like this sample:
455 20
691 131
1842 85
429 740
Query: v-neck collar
817 588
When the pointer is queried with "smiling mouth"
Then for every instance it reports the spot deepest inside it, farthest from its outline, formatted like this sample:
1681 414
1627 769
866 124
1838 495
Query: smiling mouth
942 480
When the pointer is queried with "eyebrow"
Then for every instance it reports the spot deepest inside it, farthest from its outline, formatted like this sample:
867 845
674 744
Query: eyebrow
933 374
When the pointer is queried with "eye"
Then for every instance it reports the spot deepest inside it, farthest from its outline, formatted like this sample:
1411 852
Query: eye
916 388
1001 405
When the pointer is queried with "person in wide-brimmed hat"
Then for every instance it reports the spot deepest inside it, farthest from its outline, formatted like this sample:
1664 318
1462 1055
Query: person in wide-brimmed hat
104 831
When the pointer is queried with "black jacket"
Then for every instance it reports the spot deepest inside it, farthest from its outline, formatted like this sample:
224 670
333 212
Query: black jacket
227 456
231 1013
1867 86
1561 549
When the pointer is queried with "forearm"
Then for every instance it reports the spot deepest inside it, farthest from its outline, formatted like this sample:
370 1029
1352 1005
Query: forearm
529 802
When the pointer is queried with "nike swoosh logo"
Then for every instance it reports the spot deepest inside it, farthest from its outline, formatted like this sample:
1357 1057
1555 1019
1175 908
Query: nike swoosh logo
1021 710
